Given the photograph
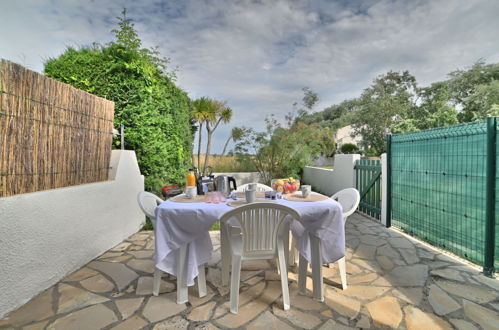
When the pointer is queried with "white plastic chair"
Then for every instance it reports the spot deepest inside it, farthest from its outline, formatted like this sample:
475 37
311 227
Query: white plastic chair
263 232
148 203
234 231
259 187
349 199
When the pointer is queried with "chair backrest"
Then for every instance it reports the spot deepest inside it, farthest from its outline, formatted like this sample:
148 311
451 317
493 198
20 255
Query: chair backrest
261 224
349 199
147 203
259 187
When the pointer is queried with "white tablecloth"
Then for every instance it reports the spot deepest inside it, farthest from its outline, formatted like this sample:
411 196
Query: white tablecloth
181 223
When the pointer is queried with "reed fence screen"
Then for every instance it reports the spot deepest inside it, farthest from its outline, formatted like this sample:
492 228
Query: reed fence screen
442 184
52 135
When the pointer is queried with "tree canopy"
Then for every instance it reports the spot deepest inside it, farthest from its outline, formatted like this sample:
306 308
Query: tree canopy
155 112
394 103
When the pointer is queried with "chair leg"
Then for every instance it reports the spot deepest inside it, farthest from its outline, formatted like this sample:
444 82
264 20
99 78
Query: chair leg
201 282
293 253
234 283
285 241
226 254
343 273
284 273
302 275
182 292
316 251
156 281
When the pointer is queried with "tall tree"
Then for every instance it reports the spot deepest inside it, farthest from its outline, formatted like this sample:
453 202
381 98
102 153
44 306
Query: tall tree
390 97
309 99
484 102
201 112
467 86
235 135
218 112
433 110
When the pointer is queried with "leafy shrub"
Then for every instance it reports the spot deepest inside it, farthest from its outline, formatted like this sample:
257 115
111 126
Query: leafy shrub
156 113
281 152
349 148
147 224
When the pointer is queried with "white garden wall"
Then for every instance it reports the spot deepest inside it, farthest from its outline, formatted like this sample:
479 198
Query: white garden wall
46 235
328 181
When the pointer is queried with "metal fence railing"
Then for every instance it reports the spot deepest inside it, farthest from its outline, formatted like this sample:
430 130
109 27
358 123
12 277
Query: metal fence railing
368 183
442 188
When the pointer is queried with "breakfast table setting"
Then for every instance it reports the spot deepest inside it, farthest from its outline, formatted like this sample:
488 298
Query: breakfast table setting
183 222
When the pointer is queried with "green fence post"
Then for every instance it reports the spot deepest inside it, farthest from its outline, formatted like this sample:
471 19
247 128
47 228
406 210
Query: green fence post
490 224
388 181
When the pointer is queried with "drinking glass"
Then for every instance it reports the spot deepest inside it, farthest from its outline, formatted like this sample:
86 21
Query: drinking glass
305 190
191 192
250 196
208 197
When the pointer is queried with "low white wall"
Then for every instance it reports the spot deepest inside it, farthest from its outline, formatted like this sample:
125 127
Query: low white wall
243 177
48 234
328 181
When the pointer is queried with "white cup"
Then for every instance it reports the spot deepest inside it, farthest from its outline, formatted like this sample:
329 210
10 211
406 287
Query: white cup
251 186
306 190
191 192
250 195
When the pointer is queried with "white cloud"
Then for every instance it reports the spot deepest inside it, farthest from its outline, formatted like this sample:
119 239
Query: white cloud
259 54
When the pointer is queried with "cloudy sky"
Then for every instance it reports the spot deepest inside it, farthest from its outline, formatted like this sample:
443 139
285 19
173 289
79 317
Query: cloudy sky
258 55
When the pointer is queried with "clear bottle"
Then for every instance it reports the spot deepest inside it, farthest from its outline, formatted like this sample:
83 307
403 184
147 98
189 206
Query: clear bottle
190 178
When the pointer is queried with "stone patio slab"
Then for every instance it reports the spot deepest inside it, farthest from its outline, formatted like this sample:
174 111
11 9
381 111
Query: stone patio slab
72 298
393 282
38 308
162 307
93 317
128 306
121 275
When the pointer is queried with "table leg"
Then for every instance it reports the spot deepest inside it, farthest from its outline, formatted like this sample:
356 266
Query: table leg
316 255
182 293
201 282
156 281
302 275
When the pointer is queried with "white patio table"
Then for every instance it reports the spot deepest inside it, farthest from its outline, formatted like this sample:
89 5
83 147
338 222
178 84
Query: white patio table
183 242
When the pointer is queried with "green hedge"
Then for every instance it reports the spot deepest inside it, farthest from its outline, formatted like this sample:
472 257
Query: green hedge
155 112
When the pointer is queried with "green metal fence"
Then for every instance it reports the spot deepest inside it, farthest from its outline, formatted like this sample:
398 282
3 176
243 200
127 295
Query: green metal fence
368 183
442 188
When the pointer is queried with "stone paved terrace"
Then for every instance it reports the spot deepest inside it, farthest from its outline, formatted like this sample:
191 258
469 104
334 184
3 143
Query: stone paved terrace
394 282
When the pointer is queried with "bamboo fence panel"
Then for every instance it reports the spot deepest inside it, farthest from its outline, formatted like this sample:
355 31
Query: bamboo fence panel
52 135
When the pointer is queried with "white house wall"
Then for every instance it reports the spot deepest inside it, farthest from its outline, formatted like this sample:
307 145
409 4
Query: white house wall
329 181
47 235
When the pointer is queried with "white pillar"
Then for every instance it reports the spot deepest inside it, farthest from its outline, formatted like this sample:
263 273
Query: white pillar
344 172
384 197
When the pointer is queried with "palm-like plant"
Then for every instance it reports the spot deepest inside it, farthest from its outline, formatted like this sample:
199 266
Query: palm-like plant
202 111
235 135
219 112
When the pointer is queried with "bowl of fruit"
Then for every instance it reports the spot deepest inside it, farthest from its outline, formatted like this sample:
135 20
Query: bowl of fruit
285 186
